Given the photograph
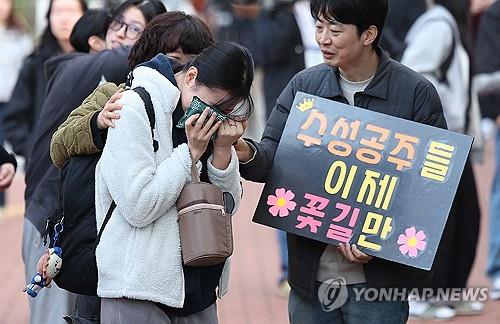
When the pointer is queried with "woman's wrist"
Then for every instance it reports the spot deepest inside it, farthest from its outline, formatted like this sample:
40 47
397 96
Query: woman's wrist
224 150
221 157
194 157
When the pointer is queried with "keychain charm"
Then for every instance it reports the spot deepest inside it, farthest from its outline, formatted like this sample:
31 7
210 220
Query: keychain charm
48 266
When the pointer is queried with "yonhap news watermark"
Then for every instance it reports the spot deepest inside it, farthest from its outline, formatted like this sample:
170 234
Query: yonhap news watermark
334 293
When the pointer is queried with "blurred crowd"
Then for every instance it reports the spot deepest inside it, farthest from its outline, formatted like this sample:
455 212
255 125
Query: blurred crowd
455 44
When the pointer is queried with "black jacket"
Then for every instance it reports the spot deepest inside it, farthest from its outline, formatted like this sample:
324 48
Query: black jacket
395 90
280 50
23 109
487 56
5 157
71 78
244 32
401 16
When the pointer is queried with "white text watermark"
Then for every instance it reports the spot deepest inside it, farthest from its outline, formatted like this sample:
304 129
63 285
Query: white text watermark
334 293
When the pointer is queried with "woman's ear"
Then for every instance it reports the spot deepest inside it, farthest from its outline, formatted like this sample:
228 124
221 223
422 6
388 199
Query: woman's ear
191 76
96 44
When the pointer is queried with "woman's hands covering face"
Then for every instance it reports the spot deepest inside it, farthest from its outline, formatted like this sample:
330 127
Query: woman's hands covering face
199 130
229 132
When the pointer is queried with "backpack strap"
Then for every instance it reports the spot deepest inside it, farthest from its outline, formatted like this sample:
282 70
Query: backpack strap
106 220
445 66
447 63
146 98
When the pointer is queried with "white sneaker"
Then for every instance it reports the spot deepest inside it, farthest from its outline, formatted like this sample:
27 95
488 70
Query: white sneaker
468 307
443 313
495 289
488 128
425 310
418 308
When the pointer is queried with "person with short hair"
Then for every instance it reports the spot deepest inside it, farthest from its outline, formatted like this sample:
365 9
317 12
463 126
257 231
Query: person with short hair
356 71
89 33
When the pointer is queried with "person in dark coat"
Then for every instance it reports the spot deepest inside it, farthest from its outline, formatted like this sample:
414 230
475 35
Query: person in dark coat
400 17
242 29
488 68
23 109
8 167
356 72
447 23
71 78
21 116
281 53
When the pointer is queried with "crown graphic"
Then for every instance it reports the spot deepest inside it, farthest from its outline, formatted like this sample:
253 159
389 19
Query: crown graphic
306 105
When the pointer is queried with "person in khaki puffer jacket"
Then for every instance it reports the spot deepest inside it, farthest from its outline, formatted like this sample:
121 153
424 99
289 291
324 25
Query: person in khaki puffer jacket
75 136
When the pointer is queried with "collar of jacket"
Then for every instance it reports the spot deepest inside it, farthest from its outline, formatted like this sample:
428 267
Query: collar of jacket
162 64
379 86
163 91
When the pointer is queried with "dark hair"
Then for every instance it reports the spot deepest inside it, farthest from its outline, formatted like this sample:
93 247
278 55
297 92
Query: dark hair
49 45
227 66
148 8
460 10
93 23
361 13
167 32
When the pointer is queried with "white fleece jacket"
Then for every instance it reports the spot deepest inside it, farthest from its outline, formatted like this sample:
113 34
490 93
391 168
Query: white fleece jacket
139 255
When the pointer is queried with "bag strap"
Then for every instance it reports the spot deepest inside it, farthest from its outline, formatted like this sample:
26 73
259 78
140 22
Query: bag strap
443 78
57 217
195 177
146 98
445 66
106 220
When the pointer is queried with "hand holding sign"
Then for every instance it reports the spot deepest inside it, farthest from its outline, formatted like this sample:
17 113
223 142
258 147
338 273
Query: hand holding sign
351 253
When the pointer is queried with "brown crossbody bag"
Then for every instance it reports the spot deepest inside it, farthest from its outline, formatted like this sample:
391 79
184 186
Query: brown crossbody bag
204 216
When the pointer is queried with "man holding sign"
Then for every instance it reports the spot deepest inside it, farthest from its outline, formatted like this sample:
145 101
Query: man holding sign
356 72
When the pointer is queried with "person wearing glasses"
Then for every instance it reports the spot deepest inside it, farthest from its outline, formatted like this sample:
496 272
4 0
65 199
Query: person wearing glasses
125 28
71 78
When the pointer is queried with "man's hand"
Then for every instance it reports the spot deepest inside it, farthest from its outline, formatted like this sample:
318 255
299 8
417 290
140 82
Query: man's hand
352 253
42 267
7 173
243 150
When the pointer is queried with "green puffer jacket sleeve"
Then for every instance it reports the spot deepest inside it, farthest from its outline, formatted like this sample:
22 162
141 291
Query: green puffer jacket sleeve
74 136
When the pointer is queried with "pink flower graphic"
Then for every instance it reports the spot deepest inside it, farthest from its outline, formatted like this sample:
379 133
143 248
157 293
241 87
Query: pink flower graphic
282 203
412 242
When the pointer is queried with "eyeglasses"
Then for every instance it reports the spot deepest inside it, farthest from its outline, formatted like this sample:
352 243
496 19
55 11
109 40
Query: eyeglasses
131 31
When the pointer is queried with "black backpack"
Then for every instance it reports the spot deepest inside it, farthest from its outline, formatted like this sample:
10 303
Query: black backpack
79 238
